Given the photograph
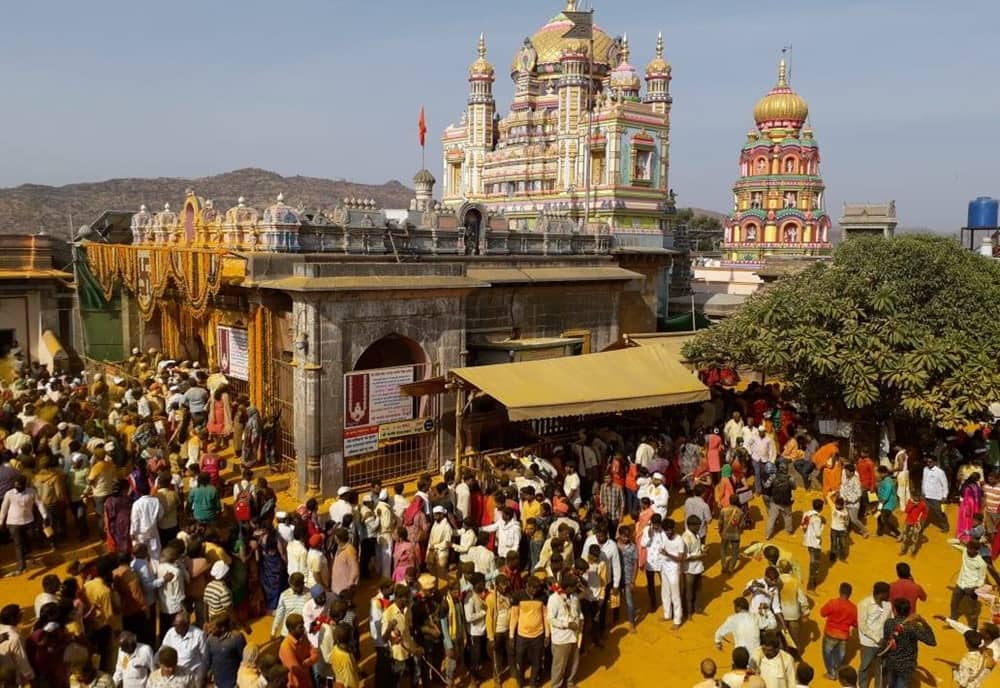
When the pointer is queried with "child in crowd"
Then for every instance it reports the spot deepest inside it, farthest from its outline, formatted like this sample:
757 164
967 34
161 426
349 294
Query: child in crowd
917 513
812 538
840 521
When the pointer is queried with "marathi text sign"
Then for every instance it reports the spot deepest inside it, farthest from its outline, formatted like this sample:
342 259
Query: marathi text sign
234 352
405 428
360 440
372 397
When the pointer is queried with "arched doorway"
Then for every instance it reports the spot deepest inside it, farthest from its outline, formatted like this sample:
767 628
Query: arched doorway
472 222
390 351
404 424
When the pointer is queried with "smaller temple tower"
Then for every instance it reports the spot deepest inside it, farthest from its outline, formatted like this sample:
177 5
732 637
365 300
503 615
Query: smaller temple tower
423 185
778 205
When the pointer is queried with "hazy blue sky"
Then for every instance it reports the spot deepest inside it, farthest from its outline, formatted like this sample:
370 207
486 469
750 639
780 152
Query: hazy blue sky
902 93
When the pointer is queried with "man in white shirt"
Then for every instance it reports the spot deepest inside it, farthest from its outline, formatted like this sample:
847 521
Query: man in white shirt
439 542
463 495
571 486
189 642
171 581
762 451
733 429
645 453
508 530
146 513
658 495
17 512
665 552
771 663
135 662
49 593
935 489
566 624
694 564
482 557
742 625
971 576
873 612
12 645
342 506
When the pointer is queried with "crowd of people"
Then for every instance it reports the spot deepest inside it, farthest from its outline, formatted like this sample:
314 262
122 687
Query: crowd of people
511 571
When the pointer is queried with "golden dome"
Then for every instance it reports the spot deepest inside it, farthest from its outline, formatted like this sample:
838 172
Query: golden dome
781 106
548 41
658 65
481 67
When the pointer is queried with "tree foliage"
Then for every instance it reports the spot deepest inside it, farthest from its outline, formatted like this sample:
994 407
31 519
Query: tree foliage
907 327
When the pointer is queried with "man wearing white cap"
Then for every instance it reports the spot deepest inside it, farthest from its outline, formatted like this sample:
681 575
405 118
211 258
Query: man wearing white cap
762 451
439 543
387 523
342 506
218 599
658 494
146 513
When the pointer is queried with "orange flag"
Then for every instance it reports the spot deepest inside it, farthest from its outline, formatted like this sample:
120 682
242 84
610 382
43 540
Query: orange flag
422 127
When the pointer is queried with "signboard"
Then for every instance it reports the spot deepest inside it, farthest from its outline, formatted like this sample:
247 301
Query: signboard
234 351
583 25
404 428
360 440
372 397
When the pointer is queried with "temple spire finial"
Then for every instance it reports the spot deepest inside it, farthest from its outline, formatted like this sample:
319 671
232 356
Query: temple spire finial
626 53
659 44
782 73
570 6
482 45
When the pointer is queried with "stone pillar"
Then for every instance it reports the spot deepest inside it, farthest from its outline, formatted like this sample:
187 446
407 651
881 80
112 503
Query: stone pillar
318 400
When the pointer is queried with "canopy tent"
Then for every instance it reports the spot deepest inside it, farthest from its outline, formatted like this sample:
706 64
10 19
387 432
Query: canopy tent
608 382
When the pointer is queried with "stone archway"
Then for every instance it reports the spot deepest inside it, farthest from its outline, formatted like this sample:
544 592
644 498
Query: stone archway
391 350
472 218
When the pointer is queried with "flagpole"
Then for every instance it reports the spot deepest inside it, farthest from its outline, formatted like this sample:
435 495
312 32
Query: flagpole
590 126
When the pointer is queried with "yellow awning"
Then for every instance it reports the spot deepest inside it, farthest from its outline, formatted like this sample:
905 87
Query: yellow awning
634 378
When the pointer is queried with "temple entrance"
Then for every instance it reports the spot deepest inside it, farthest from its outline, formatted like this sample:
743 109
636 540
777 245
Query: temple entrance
392 350
472 221
405 446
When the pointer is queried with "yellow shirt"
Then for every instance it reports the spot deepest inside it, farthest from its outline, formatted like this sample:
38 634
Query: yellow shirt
99 595
400 640
345 669
214 553
532 509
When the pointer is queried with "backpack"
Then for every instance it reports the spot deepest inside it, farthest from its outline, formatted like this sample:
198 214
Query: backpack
243 505
781 490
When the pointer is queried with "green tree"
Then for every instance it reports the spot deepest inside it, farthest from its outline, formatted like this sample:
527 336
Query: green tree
906 327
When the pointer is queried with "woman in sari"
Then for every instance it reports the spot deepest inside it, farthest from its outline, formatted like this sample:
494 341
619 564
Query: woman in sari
220 418
713 453
118 519
970 505
404 555
251 438
726 490
273 571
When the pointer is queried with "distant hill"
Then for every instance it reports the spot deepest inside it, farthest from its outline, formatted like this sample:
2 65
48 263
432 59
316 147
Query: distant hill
30 207
708 213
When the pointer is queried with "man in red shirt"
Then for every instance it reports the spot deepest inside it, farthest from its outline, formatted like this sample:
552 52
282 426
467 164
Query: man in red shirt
841 617
866 475
906 587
